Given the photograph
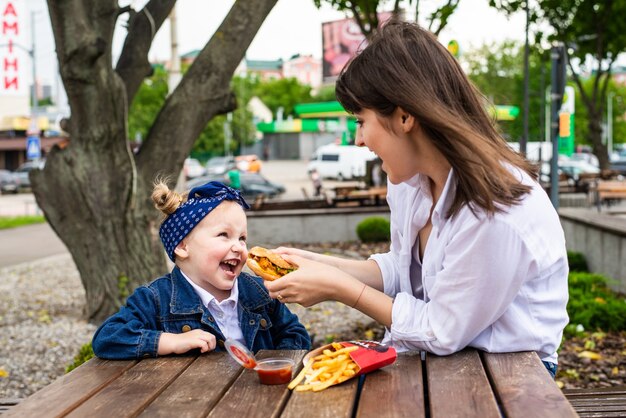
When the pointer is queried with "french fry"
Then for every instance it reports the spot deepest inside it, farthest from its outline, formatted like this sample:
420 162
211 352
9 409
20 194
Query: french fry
334 365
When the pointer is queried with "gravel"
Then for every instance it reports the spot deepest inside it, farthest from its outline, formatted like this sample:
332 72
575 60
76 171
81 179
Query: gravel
41 324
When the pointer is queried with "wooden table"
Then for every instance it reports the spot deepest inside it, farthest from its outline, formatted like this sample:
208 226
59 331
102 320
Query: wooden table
466 384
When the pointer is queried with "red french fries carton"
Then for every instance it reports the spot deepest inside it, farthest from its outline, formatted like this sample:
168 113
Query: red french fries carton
371 355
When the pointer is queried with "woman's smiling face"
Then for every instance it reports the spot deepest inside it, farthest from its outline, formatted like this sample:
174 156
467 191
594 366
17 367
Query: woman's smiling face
397 151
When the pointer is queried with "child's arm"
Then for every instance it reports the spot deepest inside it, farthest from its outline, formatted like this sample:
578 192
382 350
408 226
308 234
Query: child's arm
181 343
132 332
287 331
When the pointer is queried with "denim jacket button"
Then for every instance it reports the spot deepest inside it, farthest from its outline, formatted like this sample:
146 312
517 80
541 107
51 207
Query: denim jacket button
211 319
263 323
220 343
186 328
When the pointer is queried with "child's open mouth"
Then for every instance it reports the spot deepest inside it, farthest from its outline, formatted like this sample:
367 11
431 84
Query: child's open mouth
229 265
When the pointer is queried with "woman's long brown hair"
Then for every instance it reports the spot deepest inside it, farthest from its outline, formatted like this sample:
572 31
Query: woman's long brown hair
405 66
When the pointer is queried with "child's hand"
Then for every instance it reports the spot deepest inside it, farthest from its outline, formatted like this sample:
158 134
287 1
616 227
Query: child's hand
181 343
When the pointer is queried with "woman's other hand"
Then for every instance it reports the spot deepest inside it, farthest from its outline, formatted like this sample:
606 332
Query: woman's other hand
181 343
313 282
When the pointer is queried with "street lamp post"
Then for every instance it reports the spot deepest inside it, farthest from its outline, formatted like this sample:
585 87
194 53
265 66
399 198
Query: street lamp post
558 77
525 135
34 65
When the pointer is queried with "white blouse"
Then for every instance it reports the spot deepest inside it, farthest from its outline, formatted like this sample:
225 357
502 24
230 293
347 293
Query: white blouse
495 283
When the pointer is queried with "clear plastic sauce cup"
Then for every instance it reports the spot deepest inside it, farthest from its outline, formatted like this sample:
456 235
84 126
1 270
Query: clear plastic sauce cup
275 371
271 371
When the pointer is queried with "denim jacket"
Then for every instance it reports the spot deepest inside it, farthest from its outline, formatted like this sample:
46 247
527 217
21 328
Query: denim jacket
170 304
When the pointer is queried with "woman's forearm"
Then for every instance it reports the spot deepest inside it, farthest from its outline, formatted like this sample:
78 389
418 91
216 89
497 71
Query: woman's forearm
366 299
366 271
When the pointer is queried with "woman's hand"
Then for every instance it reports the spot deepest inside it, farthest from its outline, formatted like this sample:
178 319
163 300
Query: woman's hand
310 255
181 343
313 282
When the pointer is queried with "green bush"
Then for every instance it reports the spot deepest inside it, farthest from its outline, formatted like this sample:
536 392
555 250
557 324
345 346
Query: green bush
577 261
374 229
84 354
593 304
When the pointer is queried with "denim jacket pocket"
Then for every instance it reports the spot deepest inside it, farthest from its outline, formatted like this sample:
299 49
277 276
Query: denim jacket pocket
180 325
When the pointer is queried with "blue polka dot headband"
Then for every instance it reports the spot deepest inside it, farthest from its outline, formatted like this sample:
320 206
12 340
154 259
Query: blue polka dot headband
201 201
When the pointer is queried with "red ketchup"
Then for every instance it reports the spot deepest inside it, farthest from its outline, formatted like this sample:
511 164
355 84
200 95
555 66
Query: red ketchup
277 371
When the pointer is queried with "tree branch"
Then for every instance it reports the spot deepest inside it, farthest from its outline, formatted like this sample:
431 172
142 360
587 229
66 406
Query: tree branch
133 65
203 92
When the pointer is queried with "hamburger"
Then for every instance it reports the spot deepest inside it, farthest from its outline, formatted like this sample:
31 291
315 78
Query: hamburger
267 264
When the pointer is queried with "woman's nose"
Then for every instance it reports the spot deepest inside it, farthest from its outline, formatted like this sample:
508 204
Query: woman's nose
358 140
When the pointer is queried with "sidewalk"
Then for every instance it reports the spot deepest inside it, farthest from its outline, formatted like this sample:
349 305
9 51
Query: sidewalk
28 243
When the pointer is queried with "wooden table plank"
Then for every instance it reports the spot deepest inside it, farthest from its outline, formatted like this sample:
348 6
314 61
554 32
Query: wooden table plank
70 390
247 397
524 386
198 389
334 402
458 386
395 391
130 393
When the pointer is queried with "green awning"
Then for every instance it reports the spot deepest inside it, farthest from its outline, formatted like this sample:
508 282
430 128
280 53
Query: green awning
305 125
320 110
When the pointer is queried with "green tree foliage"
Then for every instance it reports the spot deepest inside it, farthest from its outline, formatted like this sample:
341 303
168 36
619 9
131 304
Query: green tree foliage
581 126
284 92
151 97
241 123
147 104
497 71
593 31
365 12
325 94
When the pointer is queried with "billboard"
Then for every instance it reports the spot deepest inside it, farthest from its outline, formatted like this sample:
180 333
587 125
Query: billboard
341 39
14 60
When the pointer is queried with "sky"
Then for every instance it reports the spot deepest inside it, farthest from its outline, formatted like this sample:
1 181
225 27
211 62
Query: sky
292 27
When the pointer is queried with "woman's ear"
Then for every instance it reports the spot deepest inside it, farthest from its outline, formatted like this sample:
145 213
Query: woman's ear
181 251
407 121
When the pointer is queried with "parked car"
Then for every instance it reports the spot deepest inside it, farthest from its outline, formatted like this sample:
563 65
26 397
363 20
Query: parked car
619 166
586 157
573 169
22 173
193 168
220 165
8 182
252 185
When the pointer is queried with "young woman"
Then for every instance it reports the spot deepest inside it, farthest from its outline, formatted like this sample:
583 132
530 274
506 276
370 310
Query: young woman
477 252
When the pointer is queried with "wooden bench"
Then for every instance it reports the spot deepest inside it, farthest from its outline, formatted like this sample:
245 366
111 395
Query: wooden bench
598 402
608 191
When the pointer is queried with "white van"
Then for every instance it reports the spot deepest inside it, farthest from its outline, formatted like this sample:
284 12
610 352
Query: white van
341 162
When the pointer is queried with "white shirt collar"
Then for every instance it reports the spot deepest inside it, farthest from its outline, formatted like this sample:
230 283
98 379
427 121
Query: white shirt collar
207 297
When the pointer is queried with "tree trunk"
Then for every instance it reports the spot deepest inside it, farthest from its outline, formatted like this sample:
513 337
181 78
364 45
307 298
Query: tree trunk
95 193
599 149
